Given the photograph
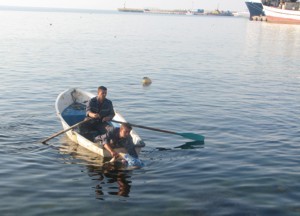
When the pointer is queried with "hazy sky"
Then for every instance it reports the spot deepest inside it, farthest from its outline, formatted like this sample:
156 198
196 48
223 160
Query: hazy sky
238 5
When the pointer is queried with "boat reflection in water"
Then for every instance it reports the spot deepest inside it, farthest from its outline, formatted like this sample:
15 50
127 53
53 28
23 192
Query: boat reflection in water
110 179
109 174
113 178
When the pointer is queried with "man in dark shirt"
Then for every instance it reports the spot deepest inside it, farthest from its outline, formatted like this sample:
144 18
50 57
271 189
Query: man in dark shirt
118 138
101 110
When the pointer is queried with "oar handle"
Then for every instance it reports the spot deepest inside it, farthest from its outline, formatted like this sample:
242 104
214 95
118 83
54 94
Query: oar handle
149 128
64 131
192 136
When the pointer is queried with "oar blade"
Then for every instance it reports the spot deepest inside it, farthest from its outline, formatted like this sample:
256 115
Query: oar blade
191 145
192 136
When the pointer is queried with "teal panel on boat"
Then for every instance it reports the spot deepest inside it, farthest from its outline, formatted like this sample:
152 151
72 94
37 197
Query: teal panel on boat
74 113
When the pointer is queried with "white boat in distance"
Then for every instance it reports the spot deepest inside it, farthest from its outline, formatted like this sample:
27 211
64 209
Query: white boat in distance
70 108
282 12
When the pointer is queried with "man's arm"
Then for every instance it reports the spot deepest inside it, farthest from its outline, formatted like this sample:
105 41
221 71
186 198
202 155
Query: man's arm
89 109
111 113
110 150
106 142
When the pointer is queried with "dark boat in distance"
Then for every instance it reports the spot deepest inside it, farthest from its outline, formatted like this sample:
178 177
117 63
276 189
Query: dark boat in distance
136 10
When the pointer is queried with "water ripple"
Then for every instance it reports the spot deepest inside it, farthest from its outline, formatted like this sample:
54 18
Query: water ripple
226 79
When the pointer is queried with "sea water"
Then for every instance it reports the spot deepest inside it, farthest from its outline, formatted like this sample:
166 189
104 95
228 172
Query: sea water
234 81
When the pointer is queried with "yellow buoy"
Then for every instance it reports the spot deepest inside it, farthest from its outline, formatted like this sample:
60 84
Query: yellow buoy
146 81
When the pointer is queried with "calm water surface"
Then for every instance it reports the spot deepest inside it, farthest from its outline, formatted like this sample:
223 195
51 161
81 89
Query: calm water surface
234 81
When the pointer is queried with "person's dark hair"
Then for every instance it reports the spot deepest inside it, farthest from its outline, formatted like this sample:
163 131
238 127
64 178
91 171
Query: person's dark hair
126 125
102 88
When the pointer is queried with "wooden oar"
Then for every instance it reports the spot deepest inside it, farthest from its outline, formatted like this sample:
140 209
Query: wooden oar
191 136
64 131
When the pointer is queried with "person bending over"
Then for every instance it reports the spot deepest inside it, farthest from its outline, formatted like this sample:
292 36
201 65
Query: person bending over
118 138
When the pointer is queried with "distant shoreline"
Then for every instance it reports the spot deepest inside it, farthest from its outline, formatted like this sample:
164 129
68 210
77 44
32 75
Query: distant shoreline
216 12
45 9
101 11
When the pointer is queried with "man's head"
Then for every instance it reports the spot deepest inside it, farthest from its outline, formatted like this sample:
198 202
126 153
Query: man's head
125 130
102 92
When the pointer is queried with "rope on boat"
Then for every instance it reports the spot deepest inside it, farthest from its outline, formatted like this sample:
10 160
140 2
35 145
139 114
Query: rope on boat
75 105
73 97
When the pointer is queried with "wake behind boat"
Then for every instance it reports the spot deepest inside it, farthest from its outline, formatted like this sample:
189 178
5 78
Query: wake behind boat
70 107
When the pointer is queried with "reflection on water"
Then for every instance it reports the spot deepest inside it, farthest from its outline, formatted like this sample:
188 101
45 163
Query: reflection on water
187 145
79 154
191 145
110 174
234 81
114 175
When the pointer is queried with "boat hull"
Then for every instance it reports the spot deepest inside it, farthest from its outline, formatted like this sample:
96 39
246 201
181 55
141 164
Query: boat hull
71 96
277 15
255 8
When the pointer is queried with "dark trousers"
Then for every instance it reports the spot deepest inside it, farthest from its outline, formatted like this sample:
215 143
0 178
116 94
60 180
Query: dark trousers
93 128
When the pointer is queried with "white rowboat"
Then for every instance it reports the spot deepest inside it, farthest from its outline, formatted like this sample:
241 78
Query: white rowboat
70 108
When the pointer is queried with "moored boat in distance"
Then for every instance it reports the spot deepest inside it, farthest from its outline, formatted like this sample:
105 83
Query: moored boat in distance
218 12
255 8
70 108
135 10
278 11
161 11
